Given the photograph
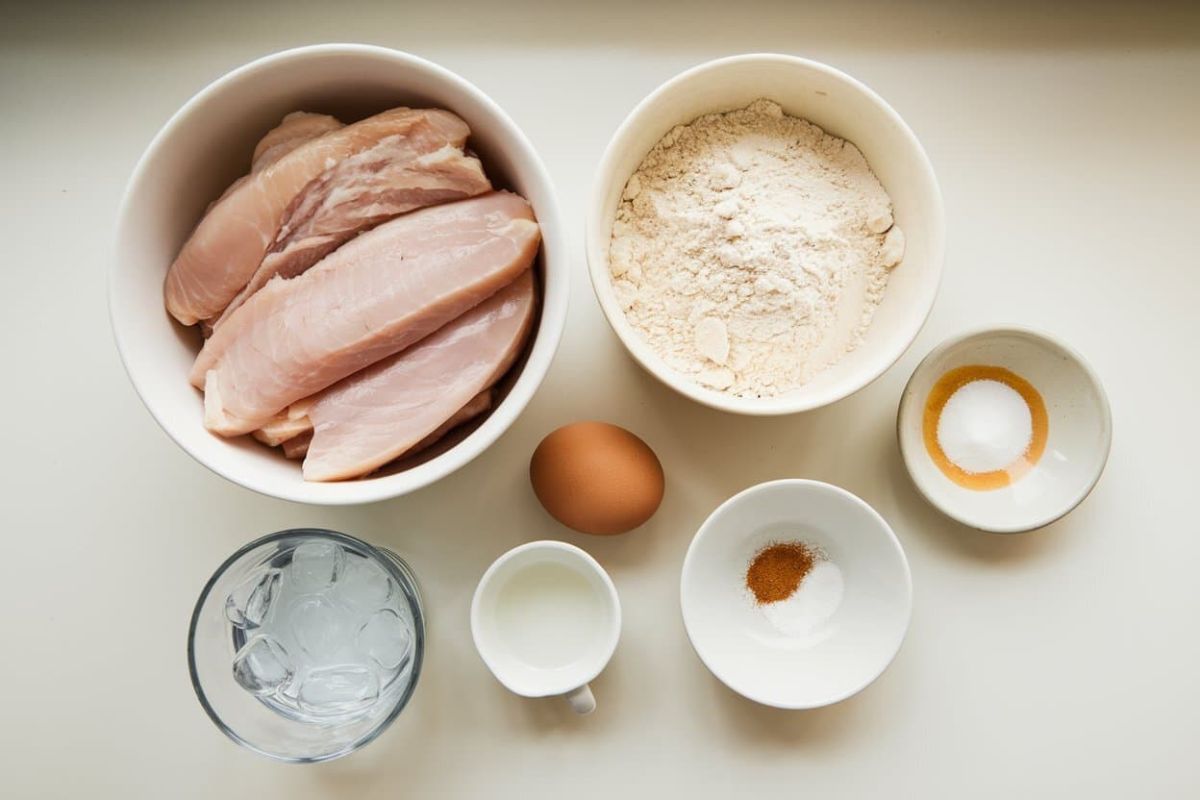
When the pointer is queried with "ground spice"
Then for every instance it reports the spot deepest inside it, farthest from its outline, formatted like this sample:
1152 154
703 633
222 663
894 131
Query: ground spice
776 571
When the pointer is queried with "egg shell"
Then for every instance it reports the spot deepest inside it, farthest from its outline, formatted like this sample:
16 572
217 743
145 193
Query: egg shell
597 478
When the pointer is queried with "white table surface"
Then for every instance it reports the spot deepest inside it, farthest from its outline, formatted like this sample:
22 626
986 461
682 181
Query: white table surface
1063 662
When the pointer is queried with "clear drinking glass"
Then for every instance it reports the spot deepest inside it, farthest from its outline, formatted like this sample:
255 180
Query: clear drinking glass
306 644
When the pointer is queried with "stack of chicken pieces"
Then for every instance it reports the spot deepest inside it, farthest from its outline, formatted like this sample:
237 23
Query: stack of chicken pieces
361 290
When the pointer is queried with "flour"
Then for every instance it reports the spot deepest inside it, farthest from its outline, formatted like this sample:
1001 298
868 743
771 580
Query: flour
751 249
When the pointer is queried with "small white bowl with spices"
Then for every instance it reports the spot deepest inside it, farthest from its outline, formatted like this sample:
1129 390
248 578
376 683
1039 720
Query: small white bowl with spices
796 594
1004 429
744 231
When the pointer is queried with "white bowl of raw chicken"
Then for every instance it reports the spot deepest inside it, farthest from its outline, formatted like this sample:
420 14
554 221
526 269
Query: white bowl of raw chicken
205 146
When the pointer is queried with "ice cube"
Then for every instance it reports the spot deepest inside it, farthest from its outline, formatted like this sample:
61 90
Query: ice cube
237 600
316 566
386 639
364 585
259 604
320 627
262 666
338 690
248 605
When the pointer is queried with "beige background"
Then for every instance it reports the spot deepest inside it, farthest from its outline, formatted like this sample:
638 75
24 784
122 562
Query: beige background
1061 662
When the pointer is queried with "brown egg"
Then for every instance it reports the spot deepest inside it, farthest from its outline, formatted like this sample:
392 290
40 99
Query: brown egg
596 478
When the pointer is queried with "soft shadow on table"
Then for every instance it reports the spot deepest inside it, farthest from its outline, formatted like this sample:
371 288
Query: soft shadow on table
618 554
827 727
922 518
727 452
762 26
354 773
549 716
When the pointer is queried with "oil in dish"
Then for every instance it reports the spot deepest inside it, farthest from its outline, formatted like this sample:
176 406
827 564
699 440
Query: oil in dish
984 426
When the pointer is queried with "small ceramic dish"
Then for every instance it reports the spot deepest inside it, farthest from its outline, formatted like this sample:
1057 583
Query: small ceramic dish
736 638
546 619
1079 431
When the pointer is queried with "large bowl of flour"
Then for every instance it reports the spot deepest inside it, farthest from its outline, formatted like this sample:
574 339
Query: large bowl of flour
765 234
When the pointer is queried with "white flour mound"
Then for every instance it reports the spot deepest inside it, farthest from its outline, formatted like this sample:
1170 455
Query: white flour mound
751 249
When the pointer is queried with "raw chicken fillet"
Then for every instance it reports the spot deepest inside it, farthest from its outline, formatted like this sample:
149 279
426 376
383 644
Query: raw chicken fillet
226 248
287 424
369 299
292 131
398 175
297 447
374 417
361 289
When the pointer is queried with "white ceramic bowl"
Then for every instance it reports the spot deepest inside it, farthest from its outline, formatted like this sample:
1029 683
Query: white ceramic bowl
537 657
840 105
733 636
1080 430
205 145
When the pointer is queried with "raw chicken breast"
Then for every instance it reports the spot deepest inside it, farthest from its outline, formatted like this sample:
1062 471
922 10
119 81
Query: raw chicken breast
368 420
287 424
292 131
398 175
225 249
297 447
293 422
369 299
476 406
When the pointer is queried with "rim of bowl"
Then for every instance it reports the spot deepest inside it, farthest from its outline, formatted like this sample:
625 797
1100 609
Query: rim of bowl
553 310
598 261
1054 342
793 483
546 544
389 562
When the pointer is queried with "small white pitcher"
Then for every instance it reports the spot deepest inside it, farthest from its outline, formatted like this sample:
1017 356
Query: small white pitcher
546 620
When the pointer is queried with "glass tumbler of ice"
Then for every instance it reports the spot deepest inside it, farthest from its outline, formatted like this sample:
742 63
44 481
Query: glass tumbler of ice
306 644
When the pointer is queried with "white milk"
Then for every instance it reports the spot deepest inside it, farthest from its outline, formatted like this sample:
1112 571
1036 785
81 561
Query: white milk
550 615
